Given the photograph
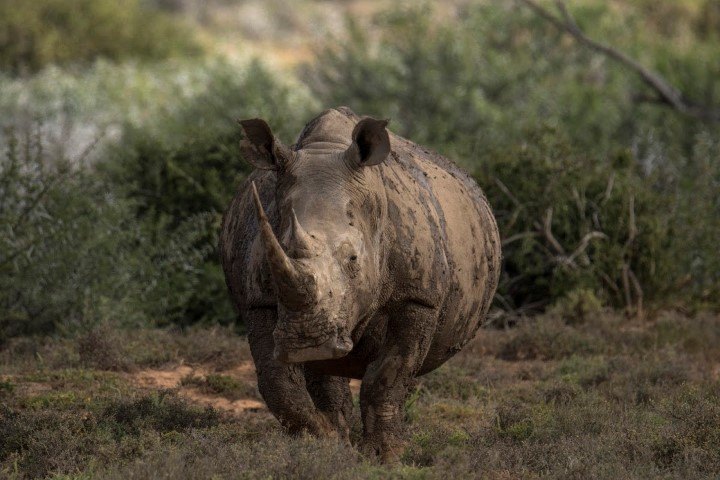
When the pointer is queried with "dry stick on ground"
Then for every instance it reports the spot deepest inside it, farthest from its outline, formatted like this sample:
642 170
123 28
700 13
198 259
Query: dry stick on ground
667 94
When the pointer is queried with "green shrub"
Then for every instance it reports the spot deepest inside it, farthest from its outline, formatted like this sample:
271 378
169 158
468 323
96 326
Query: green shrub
162 412
571 221
72 254
131 240
577 306
35 34
592 190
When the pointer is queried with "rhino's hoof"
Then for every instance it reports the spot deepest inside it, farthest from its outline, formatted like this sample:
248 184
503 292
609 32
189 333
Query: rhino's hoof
386 450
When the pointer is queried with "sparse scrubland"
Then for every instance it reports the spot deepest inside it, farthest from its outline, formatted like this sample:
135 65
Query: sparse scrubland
120 356
561 395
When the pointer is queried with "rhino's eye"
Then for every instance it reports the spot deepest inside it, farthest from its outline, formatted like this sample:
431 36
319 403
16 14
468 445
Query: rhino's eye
351 266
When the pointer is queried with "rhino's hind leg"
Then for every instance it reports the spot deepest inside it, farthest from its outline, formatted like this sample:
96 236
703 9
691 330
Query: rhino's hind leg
281 385
388 379
333 398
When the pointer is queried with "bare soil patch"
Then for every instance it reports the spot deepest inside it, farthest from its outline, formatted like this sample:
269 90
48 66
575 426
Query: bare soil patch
173 379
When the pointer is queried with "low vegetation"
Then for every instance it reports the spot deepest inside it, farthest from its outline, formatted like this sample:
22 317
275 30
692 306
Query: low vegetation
559 396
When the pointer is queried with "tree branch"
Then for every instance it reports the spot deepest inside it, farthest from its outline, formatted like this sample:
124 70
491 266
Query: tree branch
667 93
547 231
584 243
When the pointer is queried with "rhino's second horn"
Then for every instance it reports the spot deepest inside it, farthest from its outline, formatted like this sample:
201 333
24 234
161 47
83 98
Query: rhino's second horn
301 241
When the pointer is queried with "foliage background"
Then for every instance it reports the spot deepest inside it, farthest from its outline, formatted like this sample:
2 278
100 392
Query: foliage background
120 144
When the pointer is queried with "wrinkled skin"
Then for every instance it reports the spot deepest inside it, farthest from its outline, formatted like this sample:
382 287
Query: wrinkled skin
354 254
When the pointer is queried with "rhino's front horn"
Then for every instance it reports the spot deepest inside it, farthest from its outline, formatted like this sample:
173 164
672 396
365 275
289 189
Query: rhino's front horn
293 287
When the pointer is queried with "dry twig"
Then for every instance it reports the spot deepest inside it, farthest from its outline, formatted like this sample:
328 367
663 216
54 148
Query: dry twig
582 246
547 231
561 255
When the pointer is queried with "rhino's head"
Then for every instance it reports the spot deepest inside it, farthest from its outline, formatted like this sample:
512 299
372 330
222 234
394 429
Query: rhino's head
325 260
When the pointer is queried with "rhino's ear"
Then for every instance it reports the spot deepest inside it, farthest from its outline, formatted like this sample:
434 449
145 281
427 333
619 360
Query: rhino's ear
371 143
260 147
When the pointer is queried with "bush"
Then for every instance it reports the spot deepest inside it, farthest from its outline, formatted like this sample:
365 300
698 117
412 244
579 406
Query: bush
100 348
52 440
550 339
72 254
42 32
570 221
131 240
592 190
162 412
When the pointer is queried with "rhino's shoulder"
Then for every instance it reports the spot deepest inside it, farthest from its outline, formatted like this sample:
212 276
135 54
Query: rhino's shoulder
415 160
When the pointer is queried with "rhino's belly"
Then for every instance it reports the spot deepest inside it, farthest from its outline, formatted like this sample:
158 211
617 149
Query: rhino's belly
443 349
348 367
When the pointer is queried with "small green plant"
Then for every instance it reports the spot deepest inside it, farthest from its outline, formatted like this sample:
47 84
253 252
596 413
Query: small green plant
514 421
576 306
6 387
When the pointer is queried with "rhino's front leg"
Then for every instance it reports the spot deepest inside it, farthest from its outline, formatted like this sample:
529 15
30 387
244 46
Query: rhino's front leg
388 379
282 385
333 398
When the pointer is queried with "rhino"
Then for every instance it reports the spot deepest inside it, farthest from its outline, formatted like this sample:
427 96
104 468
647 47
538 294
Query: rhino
354 253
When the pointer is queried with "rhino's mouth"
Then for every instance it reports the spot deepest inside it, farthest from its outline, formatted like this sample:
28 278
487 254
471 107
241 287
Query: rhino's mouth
331 349
297 342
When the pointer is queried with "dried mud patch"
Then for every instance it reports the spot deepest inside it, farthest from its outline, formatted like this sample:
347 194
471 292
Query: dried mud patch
176 379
